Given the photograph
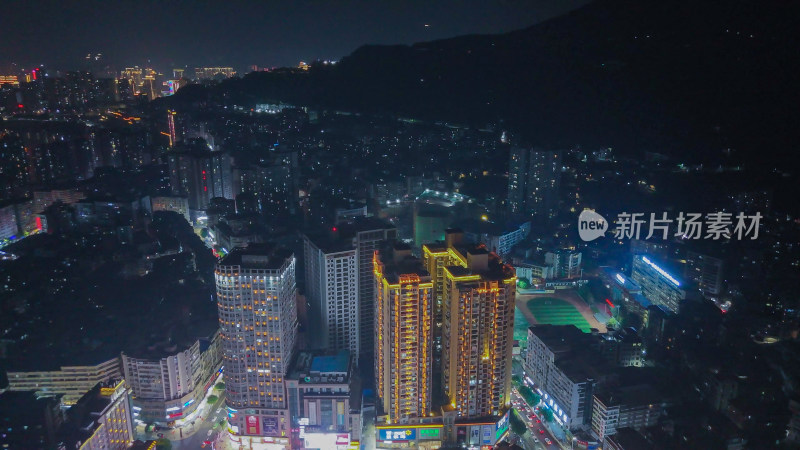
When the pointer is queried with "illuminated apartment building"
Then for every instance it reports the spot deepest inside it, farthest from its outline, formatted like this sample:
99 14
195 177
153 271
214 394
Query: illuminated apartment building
100 420
207 73
70 381
256 293
134 77
331 274
436 257
477 329
403 328
658 285
12 80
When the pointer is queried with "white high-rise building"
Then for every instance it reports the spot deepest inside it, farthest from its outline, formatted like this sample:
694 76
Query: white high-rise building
358 239
331 274
256 297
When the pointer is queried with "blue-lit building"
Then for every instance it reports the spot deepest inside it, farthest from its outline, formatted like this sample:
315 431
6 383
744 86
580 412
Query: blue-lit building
658 285
625 294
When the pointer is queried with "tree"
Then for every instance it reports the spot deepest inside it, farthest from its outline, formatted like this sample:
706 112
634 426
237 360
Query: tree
212 399
163 444
517 425
219 386
523 283
531 397
547 413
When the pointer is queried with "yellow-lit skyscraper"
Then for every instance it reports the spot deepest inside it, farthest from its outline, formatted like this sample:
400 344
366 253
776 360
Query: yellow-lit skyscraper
403 328
477 294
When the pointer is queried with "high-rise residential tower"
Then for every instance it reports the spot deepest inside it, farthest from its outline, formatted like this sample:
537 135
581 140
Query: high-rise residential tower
331 275
200 174
477 329
534 177
404 333
256 293
366 235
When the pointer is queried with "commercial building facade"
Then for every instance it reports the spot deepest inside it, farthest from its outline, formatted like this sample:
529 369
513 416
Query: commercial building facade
171 388
256 298
323 403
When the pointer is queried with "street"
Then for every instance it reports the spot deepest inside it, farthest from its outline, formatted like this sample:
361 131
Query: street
537 434
193 435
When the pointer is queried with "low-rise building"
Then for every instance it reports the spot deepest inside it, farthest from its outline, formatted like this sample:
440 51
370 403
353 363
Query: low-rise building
28 421
169 385
637 407
70 381
499 238
564 369
176 204
100 420
323 399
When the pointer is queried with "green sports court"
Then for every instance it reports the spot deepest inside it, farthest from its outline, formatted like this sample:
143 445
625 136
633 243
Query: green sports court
555 311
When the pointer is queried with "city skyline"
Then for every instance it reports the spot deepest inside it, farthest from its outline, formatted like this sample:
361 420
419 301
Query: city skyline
242 34
579 234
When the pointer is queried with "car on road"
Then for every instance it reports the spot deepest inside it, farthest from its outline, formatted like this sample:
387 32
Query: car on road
548 441
541 431
535 439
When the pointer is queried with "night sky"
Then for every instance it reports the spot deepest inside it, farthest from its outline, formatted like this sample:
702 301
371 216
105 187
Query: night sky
241 33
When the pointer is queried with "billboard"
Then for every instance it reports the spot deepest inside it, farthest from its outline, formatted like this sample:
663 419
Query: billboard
270 427
251 424
502 426
324 441
433 434
486 435
397 434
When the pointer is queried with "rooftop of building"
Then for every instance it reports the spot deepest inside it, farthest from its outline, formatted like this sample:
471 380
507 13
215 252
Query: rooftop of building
328 242
626 282
397 260
629 395
350 228
310 367
560 338
82 417
630 439
338 363
258 256
490 228
574 351
24 409
479 260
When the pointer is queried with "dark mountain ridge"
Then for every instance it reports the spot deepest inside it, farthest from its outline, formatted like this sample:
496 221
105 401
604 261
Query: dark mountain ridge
686 78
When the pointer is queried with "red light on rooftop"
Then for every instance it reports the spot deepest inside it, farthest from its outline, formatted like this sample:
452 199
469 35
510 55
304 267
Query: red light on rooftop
20 106
334 228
